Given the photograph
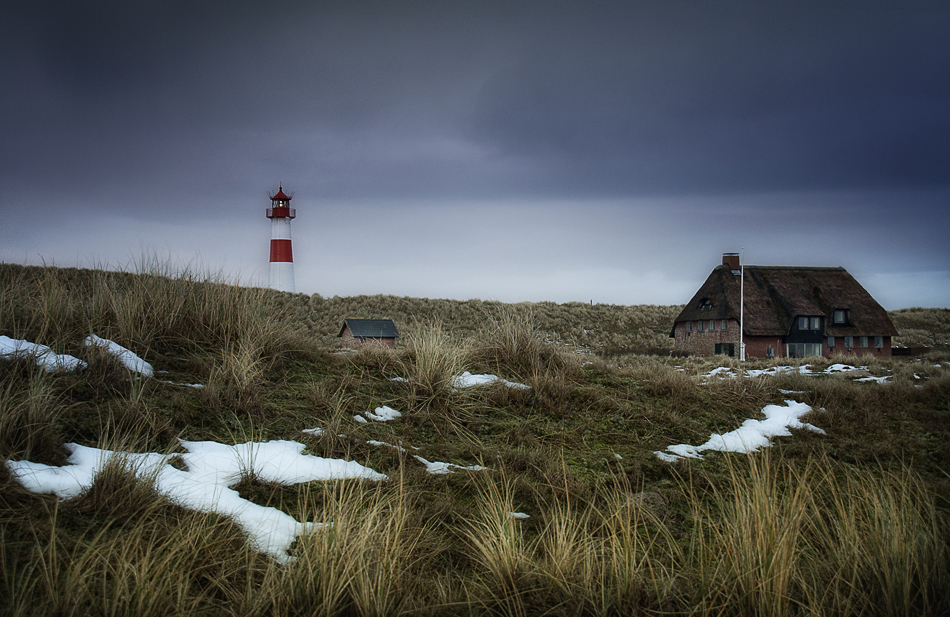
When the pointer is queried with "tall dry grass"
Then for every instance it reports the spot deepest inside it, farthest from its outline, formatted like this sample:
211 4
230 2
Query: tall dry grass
609 557
160 307
775 539
819 539
432 360
29 412
365 559
135 554
508 573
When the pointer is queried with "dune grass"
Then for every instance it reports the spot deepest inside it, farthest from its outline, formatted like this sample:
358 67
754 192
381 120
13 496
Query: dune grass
854 521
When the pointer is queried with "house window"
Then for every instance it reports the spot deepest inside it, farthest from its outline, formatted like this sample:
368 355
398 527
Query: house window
863 342
724 325
816 323
878 342
801 350
728 349
840 316
849 342
802 323
831 342
705 303
700 326
712 325
689 326
769 352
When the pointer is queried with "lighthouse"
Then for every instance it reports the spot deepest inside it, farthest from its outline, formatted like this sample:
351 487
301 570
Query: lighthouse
281 253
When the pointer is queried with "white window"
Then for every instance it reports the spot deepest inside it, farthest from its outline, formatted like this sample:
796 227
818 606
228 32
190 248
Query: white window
840 316
712 325
816 323
831 342
689 326
700 326
878 342
802 323
862 342
769 352
849 342
724 325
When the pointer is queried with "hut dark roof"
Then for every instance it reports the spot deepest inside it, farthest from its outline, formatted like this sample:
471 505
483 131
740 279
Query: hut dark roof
370 328
776 295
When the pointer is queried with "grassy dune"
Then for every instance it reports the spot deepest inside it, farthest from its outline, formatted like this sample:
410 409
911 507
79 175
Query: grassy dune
850 522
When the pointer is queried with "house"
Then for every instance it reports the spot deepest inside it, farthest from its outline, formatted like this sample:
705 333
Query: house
789 312
358 333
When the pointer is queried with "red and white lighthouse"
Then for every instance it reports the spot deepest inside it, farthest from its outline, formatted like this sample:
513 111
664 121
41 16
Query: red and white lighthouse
281 253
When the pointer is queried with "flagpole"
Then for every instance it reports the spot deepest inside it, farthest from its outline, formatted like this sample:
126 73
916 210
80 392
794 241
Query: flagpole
742 305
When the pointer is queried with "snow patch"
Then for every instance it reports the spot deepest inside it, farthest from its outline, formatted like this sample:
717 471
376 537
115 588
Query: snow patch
212 468
127 358
752 435
467 380
45 357
382 414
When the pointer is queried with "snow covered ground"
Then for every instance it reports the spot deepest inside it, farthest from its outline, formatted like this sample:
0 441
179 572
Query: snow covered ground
51 361
128 359
752 435
212 468
467 380
724 372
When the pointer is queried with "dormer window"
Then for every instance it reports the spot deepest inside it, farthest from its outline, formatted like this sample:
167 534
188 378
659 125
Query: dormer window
809 323
840 317
705 303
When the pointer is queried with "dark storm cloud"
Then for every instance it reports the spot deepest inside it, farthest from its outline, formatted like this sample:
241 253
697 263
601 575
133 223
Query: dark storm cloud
712 99
548 98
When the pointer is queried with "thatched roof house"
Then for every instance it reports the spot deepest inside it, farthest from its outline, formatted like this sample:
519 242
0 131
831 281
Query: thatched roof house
357 333
789 312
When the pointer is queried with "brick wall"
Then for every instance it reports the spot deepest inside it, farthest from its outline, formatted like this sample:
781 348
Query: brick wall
704 343
348 341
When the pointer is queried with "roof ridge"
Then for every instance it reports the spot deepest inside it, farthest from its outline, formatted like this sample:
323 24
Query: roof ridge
796 267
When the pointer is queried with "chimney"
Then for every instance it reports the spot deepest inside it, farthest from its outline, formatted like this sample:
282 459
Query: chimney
731 260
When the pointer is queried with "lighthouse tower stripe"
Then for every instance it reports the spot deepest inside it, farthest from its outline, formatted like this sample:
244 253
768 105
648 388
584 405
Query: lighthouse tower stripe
281 250
281 253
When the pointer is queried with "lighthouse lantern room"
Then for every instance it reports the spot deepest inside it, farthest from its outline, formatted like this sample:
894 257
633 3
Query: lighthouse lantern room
281 253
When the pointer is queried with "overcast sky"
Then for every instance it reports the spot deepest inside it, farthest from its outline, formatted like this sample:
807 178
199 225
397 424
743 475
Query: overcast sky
565 151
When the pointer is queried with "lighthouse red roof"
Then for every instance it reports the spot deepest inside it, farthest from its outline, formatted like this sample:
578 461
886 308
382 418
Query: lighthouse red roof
280 195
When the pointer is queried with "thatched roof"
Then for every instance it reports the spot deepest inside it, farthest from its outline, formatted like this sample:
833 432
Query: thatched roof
776 295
